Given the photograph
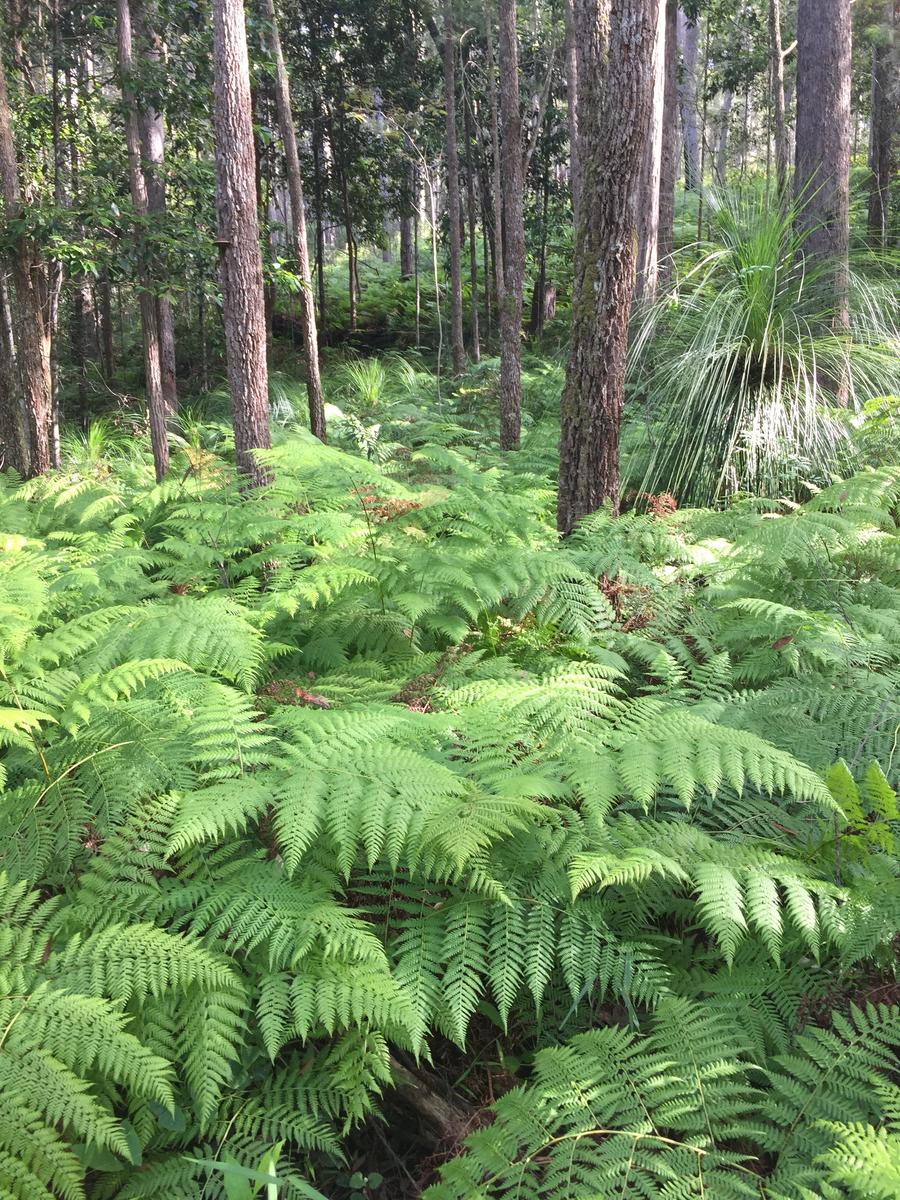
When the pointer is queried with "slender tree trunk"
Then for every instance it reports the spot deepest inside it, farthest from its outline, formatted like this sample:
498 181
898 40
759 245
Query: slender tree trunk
513 231
572 107
782 161
29 281
722 123
238 238
318 189
156 407
107 341
689 41
647 274
473 234
153 146
496 188
668 173
615 106
298 226
457 349
16 444
822 167
885 96
410 185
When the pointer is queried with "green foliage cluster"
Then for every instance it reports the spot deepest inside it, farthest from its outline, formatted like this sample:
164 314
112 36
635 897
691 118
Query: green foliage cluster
303 783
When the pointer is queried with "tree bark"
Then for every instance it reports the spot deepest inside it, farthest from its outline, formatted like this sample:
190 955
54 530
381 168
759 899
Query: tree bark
822 165
615 110
647 275
722 122
689 43
572 108
513 231
238 239
473 244
457 349
782 162
156 406
884 114
16 446
30 284
153 146
668 173
496 188
407 239
298 228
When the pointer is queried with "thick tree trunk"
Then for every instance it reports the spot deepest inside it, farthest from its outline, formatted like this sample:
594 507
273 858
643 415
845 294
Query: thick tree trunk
689 43
473 234
153 146
30 283
651 170
668 173
782 161
298 228
240 257
615 108
513 231
156 406
822 167
457 349
572 107
885 96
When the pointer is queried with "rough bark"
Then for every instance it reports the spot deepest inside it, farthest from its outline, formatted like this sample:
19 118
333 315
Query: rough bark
647 274
238 238
298 227
885 95
668 173
689 43
615 107
572 107
153 146
30 285
782 162
408 200
496 188
822 165
14 439
513 230
473 234
156 406
451 159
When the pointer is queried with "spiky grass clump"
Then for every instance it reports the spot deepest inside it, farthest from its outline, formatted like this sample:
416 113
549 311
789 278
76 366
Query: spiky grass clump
736 364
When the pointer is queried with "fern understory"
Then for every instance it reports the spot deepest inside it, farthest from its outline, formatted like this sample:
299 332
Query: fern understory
361 840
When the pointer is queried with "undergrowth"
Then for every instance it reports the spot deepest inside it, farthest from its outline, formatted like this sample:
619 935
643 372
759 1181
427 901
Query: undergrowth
305 788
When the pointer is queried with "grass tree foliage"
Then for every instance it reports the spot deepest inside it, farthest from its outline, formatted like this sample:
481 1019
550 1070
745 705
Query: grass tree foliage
306 786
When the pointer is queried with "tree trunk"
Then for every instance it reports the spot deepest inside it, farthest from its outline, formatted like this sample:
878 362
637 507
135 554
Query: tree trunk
722 123
572 107
29 281
153 146
777 74
615 110
822 166
651 169
16 446
238 239
318 196
884 111
298 228
156 407
473 244
496 188
689 42
513 231
668 173
457 349
407 239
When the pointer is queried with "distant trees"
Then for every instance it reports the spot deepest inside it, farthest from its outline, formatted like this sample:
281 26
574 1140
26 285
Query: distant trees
513 230
454 214
617 40
885 99
238 238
